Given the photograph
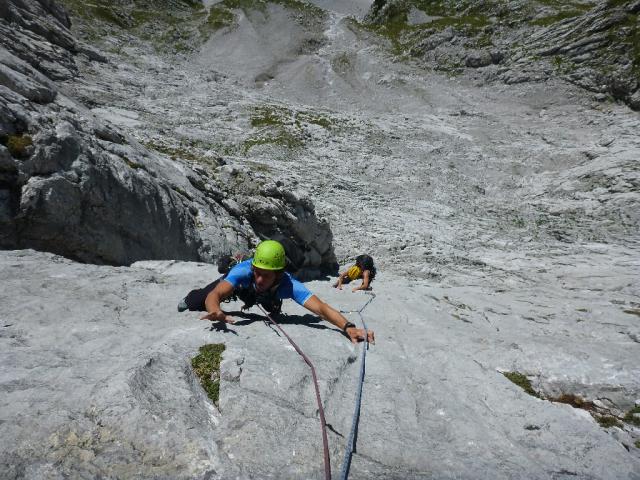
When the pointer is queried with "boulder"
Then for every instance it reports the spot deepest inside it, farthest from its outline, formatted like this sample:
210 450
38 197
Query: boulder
479 58
22 85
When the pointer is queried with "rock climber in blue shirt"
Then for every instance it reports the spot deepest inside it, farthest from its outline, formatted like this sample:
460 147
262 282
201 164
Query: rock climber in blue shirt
262 280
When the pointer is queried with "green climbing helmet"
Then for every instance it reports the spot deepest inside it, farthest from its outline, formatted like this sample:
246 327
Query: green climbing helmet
269 256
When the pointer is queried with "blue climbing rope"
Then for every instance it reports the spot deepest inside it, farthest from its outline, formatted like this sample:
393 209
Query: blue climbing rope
346 462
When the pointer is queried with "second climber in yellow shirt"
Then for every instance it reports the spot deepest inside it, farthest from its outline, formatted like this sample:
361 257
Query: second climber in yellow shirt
363 269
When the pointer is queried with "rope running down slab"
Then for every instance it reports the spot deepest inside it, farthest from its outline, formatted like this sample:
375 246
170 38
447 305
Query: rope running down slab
346 462
323 424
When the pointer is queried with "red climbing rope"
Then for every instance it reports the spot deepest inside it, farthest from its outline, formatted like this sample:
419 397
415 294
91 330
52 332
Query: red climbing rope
325 442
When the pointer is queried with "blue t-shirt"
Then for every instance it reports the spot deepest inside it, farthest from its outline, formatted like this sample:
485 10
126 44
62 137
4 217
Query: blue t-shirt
242 276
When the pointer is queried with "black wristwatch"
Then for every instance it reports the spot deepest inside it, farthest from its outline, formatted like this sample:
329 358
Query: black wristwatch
348 325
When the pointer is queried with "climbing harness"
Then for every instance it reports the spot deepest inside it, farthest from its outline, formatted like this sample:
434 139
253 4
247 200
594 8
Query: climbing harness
268 300
323 424
346 462
356 414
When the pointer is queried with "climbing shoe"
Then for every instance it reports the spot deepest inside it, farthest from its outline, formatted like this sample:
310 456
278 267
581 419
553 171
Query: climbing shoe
182 306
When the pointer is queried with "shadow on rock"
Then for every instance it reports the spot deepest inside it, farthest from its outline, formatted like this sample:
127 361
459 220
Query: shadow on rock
282 319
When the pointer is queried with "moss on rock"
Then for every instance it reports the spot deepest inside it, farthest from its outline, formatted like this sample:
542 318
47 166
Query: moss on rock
608 421
206 366
522 381
18 145
633 416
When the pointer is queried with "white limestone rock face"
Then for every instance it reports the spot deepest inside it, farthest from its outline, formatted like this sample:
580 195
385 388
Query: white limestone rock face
112 406
502 218
97 382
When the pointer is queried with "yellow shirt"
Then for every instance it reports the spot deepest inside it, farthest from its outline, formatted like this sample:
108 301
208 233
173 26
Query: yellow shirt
354 272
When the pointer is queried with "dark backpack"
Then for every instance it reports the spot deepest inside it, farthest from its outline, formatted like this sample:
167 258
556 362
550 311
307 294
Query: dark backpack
227 262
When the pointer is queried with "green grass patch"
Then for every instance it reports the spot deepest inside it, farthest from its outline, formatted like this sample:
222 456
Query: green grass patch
168 25
467 20
522 381
269 116
558 17
244 5
282 139
18 145
608 421
101 10
562 64
637 444
133 165
182 191
273 116
308 9
448 8
519 222
258 167
134 14
564 3
173 152
219 17
630 418
469 24
173 26
617 3
324 122
439 8
206 366
195 151
284 127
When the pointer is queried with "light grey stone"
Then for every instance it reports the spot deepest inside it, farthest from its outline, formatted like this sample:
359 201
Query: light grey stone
152 400
478 59
22 85
500 246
